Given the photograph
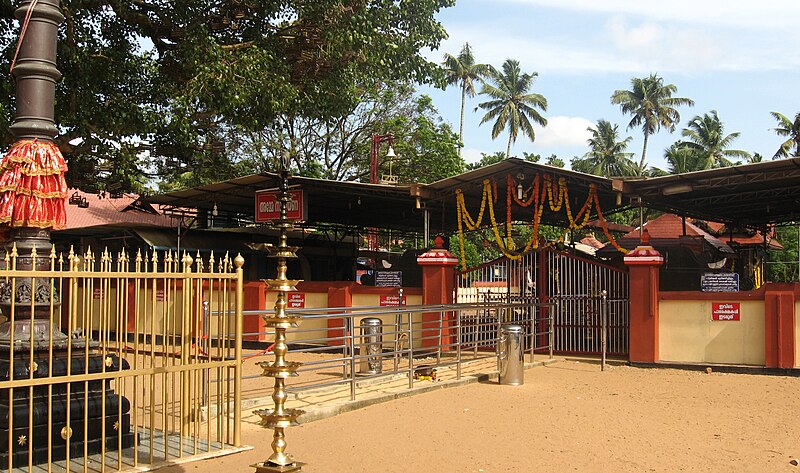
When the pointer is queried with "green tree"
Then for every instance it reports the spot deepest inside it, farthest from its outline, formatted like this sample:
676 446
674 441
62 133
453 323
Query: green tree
784 265
682 159
512 105
174 78
339 148
791 130
652 107
462 70
705 137
555 161
606 156
489 159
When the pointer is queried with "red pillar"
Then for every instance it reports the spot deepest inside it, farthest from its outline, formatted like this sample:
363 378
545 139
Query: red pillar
338 297
438 283
779 329
643 263
255 298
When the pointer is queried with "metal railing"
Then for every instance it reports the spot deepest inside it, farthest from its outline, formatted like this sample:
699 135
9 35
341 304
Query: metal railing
102 366
336 350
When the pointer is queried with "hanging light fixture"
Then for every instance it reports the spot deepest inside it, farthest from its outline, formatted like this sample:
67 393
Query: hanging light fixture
215 211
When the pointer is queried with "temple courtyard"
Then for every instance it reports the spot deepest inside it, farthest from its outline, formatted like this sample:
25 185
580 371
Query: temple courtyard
568 416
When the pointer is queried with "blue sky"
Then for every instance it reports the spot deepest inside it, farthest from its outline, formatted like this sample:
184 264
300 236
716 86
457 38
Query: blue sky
739 58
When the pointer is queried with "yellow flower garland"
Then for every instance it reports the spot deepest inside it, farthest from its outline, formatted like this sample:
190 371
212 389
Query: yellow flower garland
548 188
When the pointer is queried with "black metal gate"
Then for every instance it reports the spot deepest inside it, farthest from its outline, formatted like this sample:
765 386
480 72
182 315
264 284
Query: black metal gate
566 293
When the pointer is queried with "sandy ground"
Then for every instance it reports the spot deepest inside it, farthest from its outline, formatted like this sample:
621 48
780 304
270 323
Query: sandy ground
569 416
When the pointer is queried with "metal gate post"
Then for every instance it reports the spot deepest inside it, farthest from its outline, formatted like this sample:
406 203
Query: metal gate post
603 325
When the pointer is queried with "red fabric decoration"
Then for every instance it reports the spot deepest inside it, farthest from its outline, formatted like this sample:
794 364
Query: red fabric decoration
32 186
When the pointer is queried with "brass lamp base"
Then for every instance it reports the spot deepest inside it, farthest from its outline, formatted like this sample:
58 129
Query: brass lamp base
269 468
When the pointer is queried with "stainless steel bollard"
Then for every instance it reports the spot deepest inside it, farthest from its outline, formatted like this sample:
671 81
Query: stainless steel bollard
371 348
510 363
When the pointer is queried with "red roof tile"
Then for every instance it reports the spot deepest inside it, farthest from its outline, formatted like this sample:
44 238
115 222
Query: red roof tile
592 241
670 227
105 211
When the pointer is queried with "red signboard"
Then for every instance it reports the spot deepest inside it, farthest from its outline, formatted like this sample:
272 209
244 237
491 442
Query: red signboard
297 300
268 207
392 301
725 311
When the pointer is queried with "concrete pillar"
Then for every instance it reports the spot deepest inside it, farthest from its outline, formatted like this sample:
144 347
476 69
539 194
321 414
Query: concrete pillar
338 297
644 263
779 325
438 284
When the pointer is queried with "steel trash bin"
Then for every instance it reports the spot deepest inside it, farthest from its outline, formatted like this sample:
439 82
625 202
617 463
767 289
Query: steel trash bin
371 348
510 362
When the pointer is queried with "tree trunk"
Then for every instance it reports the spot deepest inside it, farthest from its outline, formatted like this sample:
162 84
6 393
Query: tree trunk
644 154
461 127
508 150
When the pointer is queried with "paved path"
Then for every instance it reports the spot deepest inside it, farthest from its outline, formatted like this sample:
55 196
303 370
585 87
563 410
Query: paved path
321 403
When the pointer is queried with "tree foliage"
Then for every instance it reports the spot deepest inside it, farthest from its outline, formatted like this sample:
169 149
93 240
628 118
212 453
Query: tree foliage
706 138
651 106
335 148
606 156
496 157
512 105
784 265
463 71
173 78
339 148
791 130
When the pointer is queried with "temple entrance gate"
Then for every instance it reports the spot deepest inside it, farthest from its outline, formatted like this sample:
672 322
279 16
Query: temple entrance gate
564 291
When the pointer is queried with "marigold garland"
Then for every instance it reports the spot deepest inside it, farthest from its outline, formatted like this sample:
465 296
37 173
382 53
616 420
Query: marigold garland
542 188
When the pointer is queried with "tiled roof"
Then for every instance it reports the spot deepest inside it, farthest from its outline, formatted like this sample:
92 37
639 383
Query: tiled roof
745 239
670 227
592 241
105 211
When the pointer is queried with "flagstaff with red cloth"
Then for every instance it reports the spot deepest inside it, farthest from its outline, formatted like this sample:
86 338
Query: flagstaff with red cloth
32 186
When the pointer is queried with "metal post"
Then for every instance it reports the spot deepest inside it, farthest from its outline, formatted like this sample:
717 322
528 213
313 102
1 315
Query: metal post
603 324
410 351
550 328
426 233
351 339
458 344
237 370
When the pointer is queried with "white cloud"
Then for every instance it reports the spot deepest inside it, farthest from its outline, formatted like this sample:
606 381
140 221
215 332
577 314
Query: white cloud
472 155
564 131
751 15
493 47
666 47
620 44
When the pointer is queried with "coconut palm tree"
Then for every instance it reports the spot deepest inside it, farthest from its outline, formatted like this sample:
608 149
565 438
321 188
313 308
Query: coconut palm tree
461 70
607 156
707 139
652 106
682 159
791 130
512 105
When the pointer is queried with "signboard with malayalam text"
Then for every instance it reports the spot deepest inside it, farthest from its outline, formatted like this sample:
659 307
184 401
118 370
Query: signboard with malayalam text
268 207
297 300
719 282
388 278
392 301
725 311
